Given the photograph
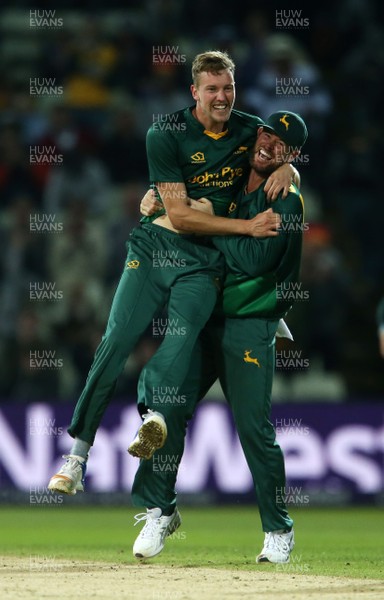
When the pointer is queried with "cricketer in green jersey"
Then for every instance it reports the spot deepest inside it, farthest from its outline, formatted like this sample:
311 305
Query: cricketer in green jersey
202 138
237 346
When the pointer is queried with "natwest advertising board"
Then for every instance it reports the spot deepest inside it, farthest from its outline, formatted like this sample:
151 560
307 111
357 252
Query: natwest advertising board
328 449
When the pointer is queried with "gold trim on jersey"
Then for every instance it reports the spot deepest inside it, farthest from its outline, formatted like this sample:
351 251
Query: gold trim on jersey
215 136
294 191
302 204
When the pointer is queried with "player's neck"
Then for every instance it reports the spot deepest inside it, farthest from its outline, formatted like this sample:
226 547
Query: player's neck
254 181
209 124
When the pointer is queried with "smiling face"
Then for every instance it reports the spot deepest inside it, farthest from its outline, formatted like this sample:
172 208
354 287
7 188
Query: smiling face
215 97
269 153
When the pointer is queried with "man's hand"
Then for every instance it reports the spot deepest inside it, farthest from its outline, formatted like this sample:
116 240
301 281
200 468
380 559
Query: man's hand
280 181
150 204
203 205
265 224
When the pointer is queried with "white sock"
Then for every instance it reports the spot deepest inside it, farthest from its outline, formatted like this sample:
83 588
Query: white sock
80 448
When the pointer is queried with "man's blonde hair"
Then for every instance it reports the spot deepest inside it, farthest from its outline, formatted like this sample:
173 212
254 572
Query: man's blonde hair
212 61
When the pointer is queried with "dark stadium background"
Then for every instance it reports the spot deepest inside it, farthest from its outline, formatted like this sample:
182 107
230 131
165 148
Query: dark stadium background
106 90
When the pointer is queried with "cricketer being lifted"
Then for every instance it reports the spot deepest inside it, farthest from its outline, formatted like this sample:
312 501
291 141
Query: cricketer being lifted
205 147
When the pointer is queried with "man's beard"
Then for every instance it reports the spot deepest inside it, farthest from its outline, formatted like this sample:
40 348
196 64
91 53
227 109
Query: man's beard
262 170
265 169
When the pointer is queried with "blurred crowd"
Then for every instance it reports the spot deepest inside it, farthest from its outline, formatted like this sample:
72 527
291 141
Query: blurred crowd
76 101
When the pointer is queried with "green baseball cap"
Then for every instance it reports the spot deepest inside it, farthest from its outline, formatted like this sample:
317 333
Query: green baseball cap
288 126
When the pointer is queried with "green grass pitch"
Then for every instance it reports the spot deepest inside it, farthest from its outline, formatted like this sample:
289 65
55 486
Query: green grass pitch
329 541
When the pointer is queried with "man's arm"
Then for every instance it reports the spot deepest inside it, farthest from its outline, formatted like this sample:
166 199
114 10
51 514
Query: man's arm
162 154
255 257
251 256
280 181
164 168
184 218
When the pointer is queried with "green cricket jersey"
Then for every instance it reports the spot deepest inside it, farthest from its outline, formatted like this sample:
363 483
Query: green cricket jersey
263 273
179 148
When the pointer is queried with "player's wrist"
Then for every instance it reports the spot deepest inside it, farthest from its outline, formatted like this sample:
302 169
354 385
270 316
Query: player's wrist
241 227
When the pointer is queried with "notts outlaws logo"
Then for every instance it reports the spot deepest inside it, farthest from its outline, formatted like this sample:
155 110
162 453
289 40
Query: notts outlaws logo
284 121
198 157
249 359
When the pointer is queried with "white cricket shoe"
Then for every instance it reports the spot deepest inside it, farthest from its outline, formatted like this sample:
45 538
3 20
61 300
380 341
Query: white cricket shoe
277 547
150 436
70 478
151 539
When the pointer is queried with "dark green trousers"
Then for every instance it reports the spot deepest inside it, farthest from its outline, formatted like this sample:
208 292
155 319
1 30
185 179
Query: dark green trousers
162 268
241 353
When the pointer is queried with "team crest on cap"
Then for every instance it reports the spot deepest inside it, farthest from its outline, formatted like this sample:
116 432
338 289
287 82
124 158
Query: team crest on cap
284 121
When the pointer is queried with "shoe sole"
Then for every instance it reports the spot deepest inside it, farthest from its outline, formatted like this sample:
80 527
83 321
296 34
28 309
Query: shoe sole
175 524
63 485
151 437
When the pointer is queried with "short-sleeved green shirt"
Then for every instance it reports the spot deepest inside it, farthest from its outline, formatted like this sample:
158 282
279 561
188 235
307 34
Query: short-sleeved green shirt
179 149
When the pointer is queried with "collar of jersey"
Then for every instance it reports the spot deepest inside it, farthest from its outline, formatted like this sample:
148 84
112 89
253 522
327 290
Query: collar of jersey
196 123
215 136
